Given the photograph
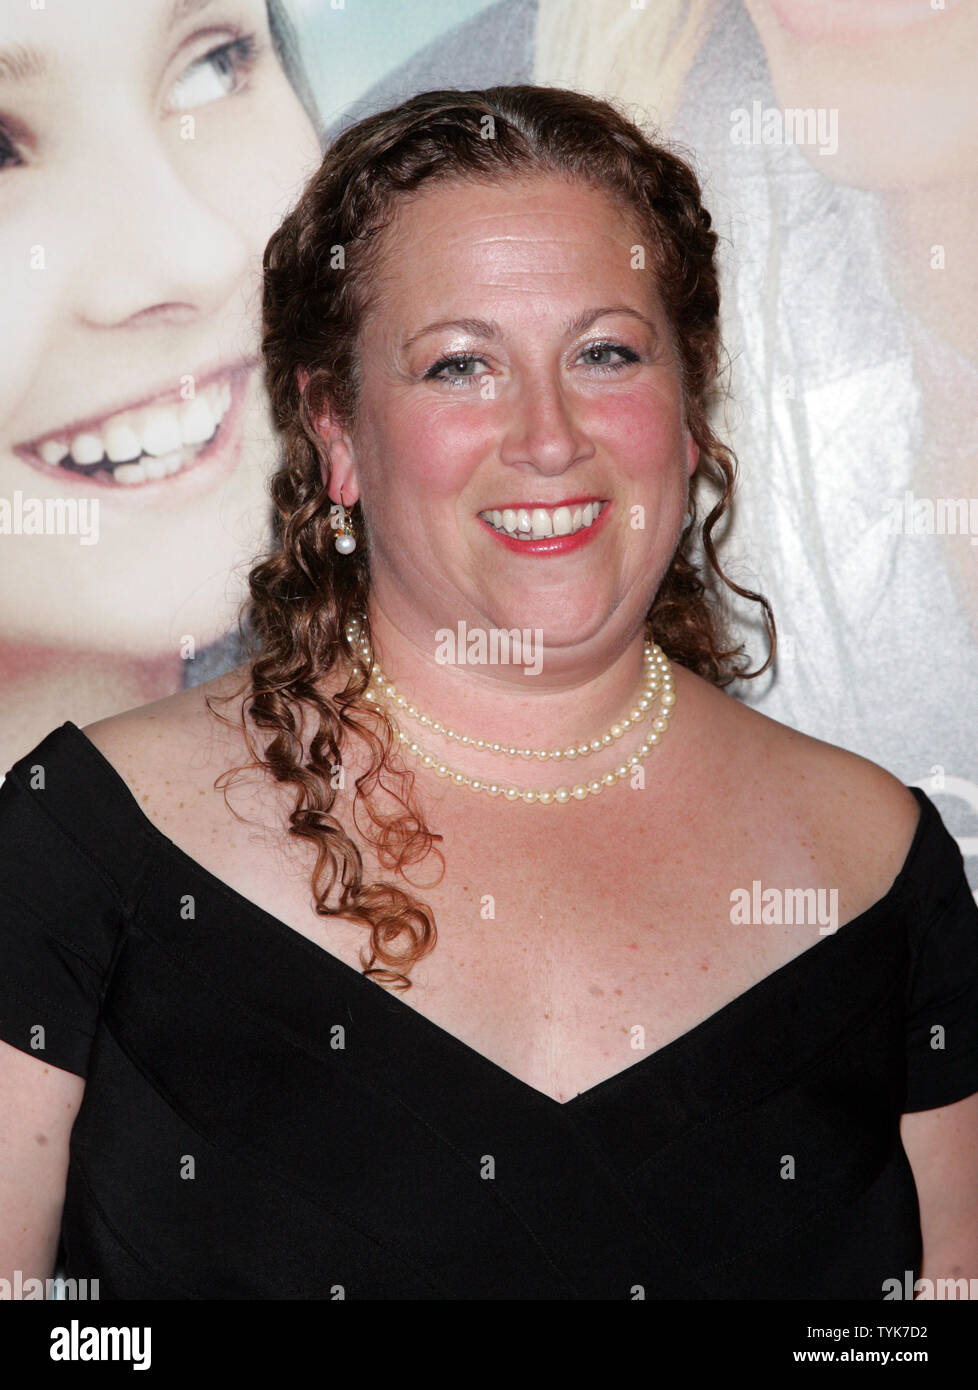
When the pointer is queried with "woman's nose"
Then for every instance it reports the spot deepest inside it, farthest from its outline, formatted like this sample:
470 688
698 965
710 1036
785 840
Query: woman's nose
544 428
151 239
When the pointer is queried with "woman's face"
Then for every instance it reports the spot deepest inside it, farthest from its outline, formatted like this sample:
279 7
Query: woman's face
899 74
517 360
141 174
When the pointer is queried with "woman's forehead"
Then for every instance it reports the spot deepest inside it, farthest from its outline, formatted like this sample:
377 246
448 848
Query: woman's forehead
518 197
522 235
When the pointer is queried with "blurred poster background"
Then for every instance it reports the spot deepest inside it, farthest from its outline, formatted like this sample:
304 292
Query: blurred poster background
148 150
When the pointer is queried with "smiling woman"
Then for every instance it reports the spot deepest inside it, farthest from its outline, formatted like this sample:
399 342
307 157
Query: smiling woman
146 153
491 340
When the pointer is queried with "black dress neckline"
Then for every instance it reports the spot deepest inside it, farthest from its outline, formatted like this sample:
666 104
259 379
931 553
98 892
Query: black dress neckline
386 999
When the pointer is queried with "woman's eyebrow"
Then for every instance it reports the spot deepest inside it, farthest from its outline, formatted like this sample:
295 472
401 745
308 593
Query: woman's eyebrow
183 9
476 328
20 62
23 63
488 328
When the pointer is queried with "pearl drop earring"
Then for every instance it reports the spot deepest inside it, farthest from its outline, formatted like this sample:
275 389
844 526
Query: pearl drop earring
346 541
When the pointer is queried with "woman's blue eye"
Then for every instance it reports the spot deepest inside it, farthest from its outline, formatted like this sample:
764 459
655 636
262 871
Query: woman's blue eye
455 369
439 370
625 353
216 74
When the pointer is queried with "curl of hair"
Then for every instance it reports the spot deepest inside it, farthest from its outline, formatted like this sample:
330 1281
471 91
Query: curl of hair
320 272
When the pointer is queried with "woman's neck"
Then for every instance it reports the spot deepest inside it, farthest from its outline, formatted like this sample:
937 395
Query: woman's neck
543 699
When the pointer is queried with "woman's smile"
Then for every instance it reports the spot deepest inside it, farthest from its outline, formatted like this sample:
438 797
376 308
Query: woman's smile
533 529
163 437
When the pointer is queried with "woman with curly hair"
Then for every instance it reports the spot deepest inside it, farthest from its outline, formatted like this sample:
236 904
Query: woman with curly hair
526 963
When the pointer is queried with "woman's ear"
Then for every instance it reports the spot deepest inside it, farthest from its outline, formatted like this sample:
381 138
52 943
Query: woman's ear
692 453
344 485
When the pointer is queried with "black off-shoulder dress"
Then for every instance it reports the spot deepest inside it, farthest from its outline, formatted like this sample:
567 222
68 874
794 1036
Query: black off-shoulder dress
261 1122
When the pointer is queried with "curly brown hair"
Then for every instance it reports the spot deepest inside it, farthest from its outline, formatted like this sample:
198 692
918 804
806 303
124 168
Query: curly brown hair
319 268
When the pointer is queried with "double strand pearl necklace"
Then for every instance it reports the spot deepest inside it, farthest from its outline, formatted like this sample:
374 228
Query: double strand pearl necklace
658 679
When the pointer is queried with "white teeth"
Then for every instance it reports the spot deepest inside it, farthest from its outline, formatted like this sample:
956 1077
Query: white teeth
121 444
159 466
149 470
53 451
151 443
130 473
197 421
522 524
161 432
86 448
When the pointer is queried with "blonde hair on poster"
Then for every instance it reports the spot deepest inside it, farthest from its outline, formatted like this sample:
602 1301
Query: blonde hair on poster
637 53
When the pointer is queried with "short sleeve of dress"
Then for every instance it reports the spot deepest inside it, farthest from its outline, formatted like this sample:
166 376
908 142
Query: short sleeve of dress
942 1002
61 906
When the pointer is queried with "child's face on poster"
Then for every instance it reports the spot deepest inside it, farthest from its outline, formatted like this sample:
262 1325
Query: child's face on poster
147 152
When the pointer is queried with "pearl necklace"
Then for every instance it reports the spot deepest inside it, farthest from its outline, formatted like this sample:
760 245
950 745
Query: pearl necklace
658 678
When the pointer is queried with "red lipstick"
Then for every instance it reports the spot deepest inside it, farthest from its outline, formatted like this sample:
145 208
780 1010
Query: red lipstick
552 545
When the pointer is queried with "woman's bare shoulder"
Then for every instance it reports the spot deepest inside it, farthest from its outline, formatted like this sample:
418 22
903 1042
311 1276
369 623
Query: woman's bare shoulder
853 812
181 716
175 746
